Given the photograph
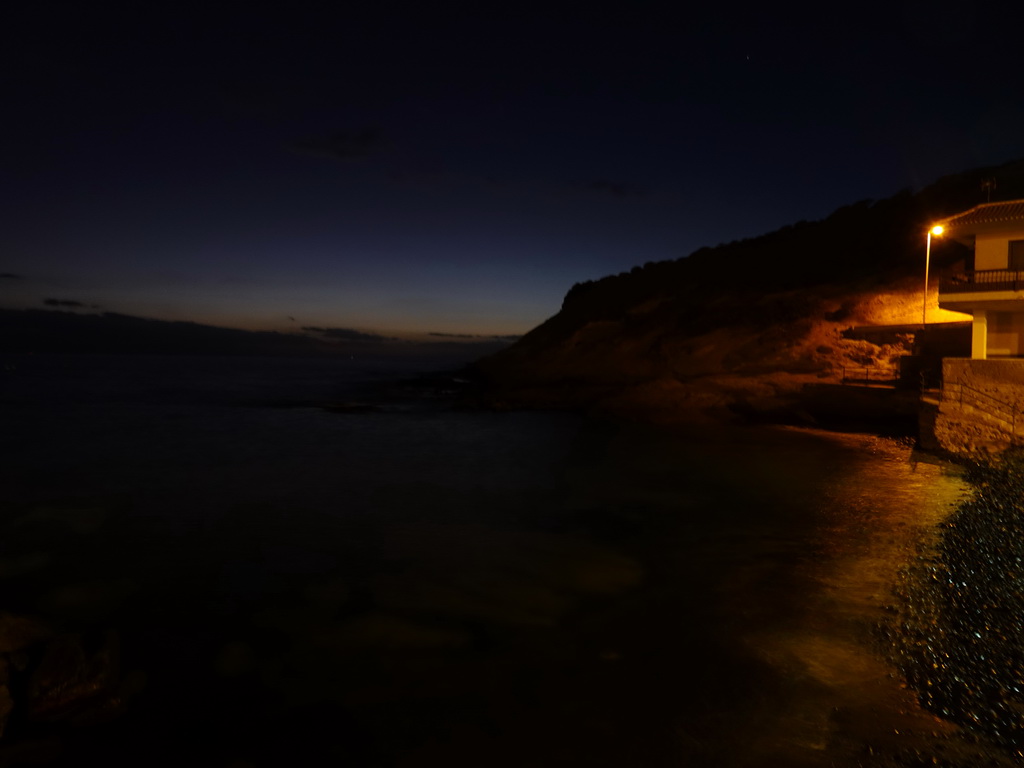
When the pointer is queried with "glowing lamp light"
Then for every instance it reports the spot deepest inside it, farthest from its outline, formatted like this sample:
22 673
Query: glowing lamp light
937 230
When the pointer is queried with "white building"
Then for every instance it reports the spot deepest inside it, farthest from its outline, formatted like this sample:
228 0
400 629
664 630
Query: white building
992 291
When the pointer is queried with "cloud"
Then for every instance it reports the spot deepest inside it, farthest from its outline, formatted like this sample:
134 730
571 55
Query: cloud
10 276
64 303
474 336
44 330
613 188
348 146
346 334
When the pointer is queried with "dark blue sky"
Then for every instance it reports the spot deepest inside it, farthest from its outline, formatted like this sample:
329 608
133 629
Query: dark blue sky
402 168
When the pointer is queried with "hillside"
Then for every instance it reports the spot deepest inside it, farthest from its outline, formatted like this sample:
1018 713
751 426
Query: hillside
743 329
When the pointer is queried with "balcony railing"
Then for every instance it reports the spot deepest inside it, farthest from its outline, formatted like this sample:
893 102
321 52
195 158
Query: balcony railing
870 374
983 280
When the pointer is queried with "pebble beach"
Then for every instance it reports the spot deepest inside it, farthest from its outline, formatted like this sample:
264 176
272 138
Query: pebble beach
957 629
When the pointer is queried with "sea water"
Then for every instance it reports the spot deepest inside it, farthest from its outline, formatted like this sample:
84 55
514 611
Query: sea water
399 581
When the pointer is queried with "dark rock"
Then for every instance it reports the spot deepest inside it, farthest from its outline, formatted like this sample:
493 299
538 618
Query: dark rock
19 632
69 678
6 707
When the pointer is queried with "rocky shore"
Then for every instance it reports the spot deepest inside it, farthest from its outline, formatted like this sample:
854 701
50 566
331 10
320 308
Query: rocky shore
63 674
957 628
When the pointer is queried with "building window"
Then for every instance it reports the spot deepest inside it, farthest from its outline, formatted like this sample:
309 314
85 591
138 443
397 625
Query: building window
1017 255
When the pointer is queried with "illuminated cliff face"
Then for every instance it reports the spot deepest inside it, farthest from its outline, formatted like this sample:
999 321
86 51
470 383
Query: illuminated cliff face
901 305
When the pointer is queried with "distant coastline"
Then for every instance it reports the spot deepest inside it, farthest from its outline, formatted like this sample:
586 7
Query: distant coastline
39 331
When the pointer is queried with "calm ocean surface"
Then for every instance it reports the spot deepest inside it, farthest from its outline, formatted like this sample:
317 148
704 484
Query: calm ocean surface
409 584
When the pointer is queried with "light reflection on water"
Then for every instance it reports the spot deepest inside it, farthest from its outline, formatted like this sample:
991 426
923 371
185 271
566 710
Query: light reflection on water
797 541
876 510
429 587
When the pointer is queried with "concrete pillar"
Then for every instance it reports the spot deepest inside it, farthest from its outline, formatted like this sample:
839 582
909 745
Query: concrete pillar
979 335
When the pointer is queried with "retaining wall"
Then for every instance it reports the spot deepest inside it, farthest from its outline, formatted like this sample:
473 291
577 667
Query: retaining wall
971 424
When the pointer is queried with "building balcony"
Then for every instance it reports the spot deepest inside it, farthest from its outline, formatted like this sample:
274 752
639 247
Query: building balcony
983 281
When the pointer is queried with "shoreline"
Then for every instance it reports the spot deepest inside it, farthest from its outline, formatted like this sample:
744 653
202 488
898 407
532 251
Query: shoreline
934 729
943 728
880 687
962 641
764 399
950 637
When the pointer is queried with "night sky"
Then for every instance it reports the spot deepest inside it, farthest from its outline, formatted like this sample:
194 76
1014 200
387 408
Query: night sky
407 169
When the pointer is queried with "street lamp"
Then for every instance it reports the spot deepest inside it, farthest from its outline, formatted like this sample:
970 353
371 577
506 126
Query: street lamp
936 230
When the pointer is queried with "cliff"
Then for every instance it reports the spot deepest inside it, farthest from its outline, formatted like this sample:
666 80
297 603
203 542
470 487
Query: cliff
749 329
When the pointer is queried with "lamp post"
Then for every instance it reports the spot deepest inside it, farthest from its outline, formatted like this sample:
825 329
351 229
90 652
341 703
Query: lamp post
936 230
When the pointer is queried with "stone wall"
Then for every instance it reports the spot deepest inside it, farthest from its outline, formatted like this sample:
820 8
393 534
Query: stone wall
963 433
1001 380
970 423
